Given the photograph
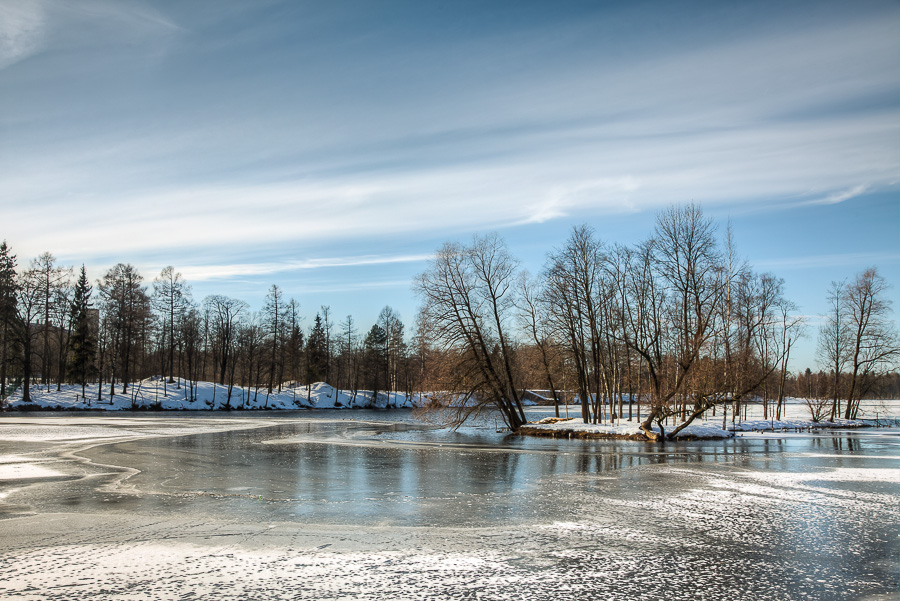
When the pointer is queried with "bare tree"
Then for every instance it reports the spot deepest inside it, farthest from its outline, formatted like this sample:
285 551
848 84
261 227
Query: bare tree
791 327
574 289
224 316
26 324
347 355
677 288
126 309
52 279
833 341
534 323
61 320
468 294
294 340
170 297
251 339
328 326
766 338
873 340
394 346
273 312
190 339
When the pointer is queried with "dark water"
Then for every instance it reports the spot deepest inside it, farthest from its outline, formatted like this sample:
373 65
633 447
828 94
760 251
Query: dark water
796 516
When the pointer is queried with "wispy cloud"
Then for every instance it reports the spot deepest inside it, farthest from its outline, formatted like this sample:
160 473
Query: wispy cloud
355 286
830 260
840 196
263 138
210 272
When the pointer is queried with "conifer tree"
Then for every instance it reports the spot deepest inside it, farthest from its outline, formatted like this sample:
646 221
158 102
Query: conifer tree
375 359
316 351
8 289
84 345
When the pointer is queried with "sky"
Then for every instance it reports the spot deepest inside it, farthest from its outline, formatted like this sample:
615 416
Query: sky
331 147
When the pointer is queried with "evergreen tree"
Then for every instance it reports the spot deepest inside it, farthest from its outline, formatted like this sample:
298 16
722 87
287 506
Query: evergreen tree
8 290
317 351
84 345
375 359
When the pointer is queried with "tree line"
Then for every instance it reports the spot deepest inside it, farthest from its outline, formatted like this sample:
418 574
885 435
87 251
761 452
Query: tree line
55 328
665 330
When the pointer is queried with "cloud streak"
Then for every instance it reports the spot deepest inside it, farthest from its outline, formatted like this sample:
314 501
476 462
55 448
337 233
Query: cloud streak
200 273
841 196
830 260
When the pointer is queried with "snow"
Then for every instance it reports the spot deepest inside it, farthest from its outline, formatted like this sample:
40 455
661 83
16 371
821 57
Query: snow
711 428
795 417
623 429
18 467
155 393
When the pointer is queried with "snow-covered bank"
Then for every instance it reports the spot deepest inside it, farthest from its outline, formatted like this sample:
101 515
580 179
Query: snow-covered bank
712 429
155 393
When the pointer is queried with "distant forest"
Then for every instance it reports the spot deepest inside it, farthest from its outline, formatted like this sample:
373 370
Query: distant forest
676 321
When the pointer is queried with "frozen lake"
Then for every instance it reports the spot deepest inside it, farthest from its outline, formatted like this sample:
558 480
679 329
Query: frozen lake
374 505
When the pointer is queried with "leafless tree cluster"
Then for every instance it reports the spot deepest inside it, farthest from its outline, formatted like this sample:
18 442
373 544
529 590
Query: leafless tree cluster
858 341
664 330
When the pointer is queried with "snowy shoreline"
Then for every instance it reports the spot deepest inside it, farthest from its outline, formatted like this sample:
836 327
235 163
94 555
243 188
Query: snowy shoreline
154 394
709 430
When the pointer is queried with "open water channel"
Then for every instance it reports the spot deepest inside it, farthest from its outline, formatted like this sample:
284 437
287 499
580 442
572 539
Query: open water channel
375 505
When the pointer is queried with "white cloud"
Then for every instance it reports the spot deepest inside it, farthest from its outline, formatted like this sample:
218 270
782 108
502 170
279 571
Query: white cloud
22 24
198 273
472 148
841 196
555 178
830 260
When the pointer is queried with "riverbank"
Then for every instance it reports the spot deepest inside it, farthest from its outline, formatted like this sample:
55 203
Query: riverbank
706 430
157 394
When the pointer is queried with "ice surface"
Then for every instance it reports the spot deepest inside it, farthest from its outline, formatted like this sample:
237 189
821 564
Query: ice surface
194 507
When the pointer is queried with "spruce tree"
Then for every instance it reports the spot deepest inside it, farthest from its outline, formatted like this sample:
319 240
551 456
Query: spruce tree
375 358
84 345
8 290
316 351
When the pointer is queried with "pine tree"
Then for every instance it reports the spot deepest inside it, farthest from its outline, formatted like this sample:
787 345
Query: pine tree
375 358
84 345
8 289
316 351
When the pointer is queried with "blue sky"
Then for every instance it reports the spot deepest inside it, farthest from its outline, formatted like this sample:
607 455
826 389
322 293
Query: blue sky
330 147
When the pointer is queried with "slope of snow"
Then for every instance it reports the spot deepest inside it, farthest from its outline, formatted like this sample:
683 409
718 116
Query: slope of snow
155 393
